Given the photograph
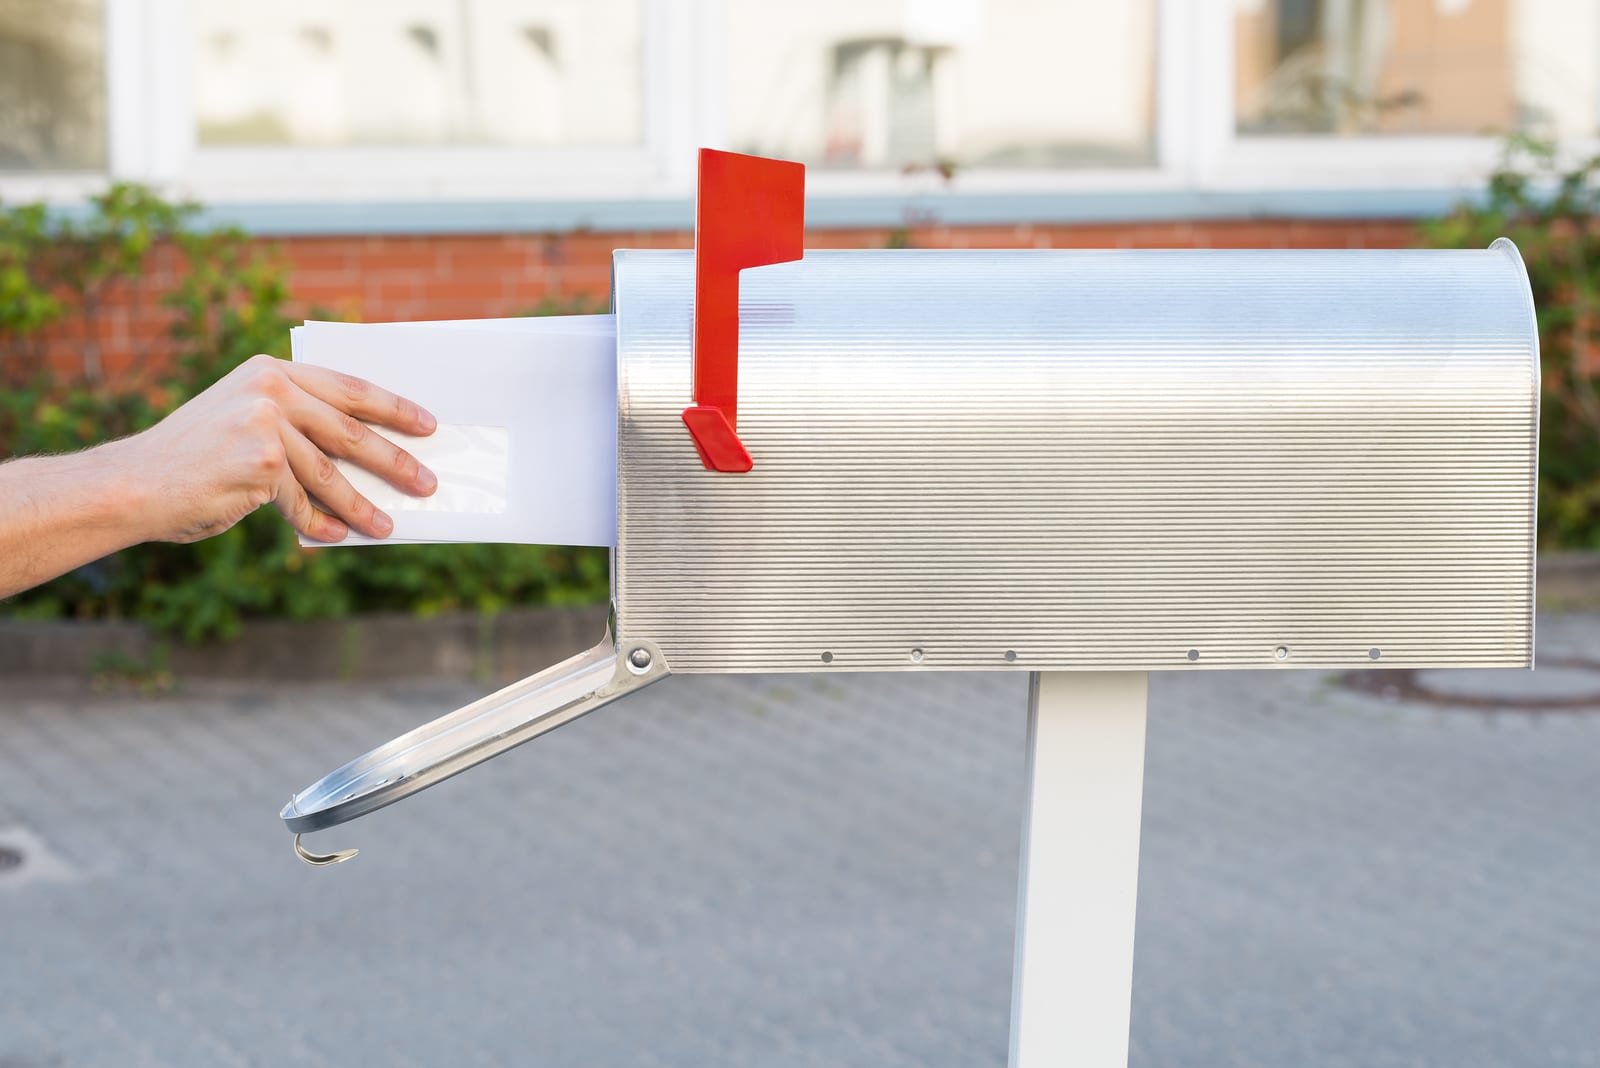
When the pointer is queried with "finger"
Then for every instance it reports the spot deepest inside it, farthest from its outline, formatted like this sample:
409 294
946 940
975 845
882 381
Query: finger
291 500
293 504
362 399
339 434
321 478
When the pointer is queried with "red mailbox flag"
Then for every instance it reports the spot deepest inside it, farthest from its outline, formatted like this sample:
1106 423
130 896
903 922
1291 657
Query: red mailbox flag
749 212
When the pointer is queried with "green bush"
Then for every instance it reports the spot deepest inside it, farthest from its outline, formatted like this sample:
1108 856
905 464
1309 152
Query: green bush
1548 204
228 305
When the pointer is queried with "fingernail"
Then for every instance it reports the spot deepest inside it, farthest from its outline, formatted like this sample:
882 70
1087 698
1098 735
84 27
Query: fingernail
429 423
382 524
333 530
427 481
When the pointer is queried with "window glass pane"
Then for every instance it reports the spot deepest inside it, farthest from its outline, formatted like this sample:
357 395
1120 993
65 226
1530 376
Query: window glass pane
418 72
52 85
966 83
1417 66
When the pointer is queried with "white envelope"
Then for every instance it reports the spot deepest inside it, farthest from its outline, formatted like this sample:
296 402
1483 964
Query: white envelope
527 408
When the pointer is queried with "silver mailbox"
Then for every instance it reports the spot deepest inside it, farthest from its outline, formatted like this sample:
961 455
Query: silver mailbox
1054 460
1041 460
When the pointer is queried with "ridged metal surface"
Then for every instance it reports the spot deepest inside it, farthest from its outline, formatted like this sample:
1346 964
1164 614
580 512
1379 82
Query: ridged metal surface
1090 460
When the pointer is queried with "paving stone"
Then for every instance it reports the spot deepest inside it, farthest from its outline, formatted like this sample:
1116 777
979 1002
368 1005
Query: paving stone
795 871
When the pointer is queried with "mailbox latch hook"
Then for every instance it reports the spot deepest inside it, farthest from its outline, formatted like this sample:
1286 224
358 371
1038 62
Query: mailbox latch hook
322 860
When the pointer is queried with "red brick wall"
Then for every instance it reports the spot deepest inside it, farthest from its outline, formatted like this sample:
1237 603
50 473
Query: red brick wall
375 279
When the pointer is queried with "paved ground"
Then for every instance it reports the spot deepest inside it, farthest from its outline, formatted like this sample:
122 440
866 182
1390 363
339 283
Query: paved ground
796 871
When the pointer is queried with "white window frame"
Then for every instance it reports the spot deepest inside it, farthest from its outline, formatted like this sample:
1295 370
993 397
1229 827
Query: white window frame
1199 158
460 171
152 133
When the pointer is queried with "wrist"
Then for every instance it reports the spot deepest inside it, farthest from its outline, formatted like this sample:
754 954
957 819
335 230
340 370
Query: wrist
124 500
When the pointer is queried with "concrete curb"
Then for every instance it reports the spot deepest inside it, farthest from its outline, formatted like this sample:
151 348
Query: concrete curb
486 649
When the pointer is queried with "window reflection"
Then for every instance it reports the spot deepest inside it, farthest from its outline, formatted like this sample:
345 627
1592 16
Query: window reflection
943 83
1416 66
409 72
52 85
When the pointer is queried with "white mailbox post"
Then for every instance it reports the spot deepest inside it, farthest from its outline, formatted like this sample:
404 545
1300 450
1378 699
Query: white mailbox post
1086 466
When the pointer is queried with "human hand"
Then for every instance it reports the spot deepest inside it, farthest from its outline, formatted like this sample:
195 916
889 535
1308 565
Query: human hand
265 434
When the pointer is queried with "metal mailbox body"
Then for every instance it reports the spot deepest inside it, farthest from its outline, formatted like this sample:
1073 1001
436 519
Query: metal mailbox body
1044 460
1052 460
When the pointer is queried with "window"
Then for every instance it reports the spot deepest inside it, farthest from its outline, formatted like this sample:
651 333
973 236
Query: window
586 112
528 73
1419 67
905 84
52 86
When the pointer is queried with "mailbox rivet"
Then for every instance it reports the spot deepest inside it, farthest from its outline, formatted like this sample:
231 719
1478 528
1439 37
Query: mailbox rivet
639 659
1194 654
1282 652
1011 656
827 658
1374 653
916 656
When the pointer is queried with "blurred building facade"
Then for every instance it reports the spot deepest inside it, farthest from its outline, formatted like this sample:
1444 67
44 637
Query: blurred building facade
457 158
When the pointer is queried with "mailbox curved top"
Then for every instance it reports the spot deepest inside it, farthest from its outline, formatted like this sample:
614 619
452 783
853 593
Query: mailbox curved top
1047 460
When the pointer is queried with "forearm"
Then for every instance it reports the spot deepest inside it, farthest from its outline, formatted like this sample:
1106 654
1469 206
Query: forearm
61 512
